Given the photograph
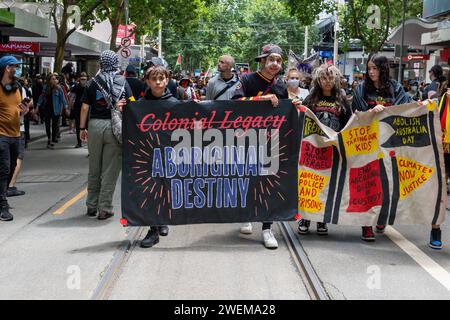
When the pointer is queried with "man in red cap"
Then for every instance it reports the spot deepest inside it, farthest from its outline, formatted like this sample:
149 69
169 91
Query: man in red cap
264 85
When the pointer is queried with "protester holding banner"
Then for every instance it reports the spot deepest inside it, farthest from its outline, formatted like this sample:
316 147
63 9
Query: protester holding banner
157 79
376 93
264 85
330 106
106 90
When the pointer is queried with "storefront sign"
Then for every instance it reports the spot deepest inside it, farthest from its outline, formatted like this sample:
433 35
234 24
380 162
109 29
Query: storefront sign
16 46
416 57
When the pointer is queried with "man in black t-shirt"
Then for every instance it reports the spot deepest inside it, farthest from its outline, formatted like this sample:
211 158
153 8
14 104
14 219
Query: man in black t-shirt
264 85
107 89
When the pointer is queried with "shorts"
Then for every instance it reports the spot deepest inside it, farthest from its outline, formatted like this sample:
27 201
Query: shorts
21 154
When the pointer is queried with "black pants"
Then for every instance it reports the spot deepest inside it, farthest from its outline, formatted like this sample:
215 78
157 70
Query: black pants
9 150
50 117
26 122
77 126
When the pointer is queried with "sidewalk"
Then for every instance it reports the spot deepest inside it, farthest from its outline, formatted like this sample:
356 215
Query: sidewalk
37 131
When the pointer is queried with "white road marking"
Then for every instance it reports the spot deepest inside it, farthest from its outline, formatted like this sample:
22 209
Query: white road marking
428 264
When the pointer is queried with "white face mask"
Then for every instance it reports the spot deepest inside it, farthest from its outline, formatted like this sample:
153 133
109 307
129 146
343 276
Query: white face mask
293 83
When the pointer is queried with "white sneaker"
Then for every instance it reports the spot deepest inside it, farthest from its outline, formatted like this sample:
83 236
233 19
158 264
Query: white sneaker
246 228
269 239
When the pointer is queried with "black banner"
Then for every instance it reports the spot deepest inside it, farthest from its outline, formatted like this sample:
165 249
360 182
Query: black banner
209 162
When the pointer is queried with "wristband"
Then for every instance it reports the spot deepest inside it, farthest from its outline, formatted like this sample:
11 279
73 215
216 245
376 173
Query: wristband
82 128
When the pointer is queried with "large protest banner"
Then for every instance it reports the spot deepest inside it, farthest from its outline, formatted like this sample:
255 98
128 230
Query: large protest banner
209 162
381 168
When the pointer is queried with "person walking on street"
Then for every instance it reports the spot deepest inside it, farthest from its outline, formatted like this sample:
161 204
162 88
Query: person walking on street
330 105
264 85
75 104
12 106
106 90
55 103
223 85
157 80
376 93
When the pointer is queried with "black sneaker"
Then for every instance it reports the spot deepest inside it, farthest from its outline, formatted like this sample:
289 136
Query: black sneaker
78 145
14 192
322 229
55 141
435 239
103 215
150 239
163 230
91 213
50 145
5 215
303 226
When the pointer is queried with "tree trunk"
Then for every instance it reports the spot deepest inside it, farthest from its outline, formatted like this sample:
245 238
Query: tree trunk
115 22
61 40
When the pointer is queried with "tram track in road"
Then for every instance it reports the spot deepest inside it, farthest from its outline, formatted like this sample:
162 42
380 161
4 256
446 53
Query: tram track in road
311 281
115 267
309 276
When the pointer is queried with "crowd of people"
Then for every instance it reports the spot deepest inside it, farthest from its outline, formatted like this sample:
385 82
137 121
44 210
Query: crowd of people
90 104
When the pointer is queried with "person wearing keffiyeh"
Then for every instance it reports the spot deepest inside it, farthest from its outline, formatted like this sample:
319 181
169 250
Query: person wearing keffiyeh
105 155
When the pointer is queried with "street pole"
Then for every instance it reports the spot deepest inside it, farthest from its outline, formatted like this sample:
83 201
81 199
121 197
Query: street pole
306 42
126 18
160 39
336 43
400 71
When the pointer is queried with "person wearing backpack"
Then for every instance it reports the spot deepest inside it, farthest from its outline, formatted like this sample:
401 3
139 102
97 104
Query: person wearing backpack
107 90
223 85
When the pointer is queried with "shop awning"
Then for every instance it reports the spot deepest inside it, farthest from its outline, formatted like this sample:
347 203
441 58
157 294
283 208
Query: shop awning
20 23
414 28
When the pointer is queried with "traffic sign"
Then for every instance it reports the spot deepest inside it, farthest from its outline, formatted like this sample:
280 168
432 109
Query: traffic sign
125 52
126 42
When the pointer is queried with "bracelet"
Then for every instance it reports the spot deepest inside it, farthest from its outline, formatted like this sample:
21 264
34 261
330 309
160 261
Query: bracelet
82 128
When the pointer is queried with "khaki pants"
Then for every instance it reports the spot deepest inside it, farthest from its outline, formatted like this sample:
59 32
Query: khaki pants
105 163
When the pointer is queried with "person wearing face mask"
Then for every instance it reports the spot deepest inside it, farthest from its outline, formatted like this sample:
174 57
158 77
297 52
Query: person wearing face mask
376 93
293 85
76 93
12 106
264 85
54 101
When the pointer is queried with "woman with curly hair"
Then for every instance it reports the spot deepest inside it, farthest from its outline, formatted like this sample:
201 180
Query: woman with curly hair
328 102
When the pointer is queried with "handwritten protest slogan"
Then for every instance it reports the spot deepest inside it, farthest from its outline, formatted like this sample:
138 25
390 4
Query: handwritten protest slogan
412 175
209 162
310 186
388 167
365 187
409 131
361 140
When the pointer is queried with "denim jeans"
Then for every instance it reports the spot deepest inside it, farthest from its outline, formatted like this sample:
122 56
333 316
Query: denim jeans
9 150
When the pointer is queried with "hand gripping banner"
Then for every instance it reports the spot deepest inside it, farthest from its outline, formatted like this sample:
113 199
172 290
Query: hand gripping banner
382 168
209 162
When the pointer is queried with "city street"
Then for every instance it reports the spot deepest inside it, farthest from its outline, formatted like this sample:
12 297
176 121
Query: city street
52 250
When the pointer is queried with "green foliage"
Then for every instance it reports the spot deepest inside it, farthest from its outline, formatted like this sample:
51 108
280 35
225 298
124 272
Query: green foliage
238 28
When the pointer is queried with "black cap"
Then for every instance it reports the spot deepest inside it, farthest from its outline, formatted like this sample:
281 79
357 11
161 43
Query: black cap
267 50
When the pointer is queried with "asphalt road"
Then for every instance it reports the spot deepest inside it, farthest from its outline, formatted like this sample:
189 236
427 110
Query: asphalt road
44 255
